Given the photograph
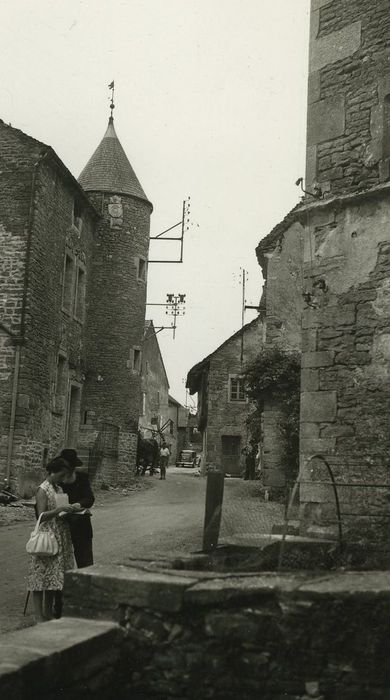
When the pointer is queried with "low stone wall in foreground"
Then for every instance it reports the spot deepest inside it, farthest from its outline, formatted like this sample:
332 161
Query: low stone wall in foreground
193 635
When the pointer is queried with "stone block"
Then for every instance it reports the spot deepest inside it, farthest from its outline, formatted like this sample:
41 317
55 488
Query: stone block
309 430
226 590
338 315
323 358
316 493
310 380
325 120
309 339
337 430
311 165
322 445
310 318
318 406
332 47
57 654
233 626
106 588
314 85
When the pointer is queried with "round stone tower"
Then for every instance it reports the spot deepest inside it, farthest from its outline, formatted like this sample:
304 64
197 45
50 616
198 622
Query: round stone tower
116 299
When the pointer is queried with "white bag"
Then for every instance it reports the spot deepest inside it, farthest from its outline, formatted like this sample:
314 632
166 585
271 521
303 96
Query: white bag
42 544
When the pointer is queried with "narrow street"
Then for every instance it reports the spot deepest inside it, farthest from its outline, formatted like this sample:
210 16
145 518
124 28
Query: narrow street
165 518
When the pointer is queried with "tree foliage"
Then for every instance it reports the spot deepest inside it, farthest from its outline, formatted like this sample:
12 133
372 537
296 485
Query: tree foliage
274 376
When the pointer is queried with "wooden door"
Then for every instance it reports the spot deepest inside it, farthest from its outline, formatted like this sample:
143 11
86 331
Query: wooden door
231 452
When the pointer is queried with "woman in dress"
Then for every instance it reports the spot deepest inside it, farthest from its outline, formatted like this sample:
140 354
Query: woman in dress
46 574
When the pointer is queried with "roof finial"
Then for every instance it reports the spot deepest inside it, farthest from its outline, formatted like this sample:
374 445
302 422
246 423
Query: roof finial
112 105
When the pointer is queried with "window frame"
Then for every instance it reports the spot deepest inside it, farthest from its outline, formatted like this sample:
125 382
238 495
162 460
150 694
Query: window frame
68 307
77 215
79 267
136 359
60 387
240 389
142 277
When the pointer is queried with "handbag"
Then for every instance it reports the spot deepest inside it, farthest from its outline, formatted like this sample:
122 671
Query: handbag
42 544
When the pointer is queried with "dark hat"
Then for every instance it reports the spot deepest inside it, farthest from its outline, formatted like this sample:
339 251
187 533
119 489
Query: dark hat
71 457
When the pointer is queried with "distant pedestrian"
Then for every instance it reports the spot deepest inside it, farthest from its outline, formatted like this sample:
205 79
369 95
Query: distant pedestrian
46 574
164 457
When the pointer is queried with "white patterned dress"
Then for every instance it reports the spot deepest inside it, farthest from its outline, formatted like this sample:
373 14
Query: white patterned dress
47 573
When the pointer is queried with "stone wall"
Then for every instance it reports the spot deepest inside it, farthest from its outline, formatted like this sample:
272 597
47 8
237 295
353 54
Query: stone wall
281 260
349 81
345 363
38 227
149 632
16 182
191 634
154 385
54 332
62 658
226 417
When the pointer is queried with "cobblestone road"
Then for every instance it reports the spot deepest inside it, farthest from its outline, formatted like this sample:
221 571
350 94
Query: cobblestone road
165 518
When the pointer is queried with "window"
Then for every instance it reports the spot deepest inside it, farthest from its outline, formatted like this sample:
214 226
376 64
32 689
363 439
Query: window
73 415
45 454
60 378
143 409
136 360
79 303
68 283
141 272
77 220
60 385
236 389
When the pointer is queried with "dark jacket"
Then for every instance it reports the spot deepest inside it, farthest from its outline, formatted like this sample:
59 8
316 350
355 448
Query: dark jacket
80 492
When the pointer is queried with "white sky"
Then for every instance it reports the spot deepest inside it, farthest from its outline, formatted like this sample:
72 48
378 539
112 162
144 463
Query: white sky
210 102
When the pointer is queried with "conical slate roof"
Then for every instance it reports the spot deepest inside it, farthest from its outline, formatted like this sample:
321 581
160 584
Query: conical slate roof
109 170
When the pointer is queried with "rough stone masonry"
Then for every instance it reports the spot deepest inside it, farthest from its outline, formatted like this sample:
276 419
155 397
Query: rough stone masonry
73 274
341 242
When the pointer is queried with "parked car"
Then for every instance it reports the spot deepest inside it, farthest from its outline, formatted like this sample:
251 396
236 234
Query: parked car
187 458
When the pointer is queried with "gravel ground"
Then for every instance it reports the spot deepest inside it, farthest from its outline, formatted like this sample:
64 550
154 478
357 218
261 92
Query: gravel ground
154 518
18 512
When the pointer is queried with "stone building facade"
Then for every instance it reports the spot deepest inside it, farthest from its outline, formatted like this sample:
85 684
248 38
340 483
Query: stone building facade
155 416
223 406
72 305
179 417
345 232
280 257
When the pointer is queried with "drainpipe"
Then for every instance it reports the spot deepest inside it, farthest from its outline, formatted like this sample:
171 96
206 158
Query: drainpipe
20 339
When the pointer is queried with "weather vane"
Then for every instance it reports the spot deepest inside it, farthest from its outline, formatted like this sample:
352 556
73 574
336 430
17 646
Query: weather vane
112 105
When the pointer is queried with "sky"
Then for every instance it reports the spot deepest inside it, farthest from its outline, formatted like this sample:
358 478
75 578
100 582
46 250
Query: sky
210 103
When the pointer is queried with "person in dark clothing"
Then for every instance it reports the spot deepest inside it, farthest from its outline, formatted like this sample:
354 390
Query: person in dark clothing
80 526
78 491
250 464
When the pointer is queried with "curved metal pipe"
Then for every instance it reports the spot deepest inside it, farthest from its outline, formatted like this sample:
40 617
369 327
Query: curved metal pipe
336 495
292 497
